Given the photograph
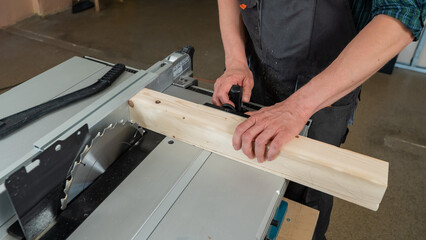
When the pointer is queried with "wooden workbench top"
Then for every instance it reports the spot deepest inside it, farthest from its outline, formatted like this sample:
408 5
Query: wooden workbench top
299 222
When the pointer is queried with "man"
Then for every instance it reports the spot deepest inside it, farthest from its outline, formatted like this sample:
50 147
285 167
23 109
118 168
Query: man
305 59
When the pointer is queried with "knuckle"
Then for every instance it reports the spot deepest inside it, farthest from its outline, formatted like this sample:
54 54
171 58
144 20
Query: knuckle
272 148
260 140
252 119
276 144
223 100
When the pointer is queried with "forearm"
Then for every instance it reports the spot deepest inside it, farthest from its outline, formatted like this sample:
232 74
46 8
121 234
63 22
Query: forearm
232 32
382 39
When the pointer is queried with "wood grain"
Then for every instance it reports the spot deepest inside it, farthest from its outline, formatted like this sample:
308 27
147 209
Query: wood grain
342 173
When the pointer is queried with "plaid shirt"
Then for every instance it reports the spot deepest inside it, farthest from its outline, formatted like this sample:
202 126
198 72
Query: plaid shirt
412 13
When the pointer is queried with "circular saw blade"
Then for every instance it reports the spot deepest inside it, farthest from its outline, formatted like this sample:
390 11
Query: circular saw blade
103 150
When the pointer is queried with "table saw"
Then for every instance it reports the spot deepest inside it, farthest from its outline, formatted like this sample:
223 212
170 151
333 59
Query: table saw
124 182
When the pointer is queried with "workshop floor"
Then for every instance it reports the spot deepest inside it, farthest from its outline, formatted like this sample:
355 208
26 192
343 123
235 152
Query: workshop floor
389 123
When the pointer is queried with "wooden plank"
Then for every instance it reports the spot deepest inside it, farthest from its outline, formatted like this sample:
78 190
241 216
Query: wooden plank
299 222
344 174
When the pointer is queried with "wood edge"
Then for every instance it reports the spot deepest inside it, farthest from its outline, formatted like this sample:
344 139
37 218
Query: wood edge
368 174
372 205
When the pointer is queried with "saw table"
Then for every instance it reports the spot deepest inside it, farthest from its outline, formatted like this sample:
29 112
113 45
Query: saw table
134 183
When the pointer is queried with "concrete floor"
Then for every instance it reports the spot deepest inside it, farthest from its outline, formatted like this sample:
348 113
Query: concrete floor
135 33
389 123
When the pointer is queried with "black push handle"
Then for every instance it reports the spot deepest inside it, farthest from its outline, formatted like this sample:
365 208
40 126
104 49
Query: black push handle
16 121
235 95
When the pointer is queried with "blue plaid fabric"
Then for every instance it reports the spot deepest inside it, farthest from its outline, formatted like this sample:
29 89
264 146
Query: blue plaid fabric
412 13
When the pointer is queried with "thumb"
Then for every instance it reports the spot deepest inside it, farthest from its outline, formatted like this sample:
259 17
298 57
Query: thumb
246 93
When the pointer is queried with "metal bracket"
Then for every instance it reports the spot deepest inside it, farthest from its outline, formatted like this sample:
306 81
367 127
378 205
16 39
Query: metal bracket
35 190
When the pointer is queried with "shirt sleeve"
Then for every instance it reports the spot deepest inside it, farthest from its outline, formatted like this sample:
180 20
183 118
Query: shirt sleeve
411 13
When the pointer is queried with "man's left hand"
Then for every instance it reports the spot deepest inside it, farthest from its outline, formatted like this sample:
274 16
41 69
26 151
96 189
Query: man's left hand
276 125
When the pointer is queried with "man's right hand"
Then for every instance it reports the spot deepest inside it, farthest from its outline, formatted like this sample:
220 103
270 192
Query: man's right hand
240 75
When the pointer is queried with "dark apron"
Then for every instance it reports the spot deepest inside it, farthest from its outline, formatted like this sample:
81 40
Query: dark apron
288 42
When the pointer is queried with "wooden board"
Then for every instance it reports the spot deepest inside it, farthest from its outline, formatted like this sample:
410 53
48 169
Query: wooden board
344 174
299 222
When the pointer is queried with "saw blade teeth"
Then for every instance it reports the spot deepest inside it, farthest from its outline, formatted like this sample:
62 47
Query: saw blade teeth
110 126
95 139
69 190
64 202
86 148
75 168
107 128
68 184
85 151
67 187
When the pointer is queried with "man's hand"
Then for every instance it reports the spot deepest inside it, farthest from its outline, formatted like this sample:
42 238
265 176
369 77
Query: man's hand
240 75
276 125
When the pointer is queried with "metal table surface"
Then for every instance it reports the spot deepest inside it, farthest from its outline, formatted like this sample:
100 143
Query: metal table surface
182 192
178 191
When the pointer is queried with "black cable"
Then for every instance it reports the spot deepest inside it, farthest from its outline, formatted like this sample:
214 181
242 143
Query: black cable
14 122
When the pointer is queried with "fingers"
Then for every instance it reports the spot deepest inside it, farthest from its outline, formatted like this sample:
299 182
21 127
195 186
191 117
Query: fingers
248 84
215 100
261 143
247 92
240 76
252 138
240 130
224 98
277 125
279 140
220 94
248 140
